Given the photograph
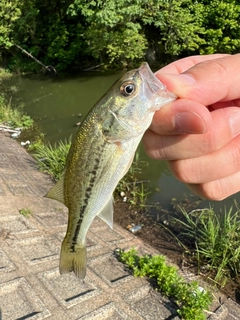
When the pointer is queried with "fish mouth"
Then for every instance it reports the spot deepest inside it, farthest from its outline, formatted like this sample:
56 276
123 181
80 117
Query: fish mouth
146 73
156 86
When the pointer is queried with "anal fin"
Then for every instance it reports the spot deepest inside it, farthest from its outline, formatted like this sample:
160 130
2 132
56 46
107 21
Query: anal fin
107 213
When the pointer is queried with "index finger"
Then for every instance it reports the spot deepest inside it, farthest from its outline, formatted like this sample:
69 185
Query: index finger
184 64
207 82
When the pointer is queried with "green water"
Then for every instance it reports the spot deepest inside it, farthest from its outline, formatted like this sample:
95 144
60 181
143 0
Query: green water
55 104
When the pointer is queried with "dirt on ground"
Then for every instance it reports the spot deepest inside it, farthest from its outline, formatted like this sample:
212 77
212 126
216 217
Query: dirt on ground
154 233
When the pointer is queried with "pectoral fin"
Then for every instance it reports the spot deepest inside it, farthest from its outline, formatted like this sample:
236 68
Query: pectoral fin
57 192
107 213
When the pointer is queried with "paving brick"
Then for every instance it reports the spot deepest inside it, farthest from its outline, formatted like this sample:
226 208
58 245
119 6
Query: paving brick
18 225
109 312
20 189
150 304
37 249
67 289
109 269
19 301
233 309
108 235
2 189
6 265
50 220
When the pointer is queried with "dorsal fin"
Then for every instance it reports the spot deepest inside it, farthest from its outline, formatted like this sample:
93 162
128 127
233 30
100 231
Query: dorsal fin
107 213
57 192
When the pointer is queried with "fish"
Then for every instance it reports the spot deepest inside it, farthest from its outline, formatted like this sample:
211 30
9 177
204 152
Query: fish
100 155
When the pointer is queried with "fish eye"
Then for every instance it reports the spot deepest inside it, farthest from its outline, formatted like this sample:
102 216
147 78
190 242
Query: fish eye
127 89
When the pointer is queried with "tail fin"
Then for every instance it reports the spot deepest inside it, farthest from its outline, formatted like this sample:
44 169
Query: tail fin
73 261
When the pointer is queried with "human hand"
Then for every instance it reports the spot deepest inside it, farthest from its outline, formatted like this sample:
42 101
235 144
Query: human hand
198 134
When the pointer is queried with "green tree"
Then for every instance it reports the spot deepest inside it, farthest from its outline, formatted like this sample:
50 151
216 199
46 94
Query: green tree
78 33
177 25
9 13
42 28
18 24
221 24
59 35
121 31
113 31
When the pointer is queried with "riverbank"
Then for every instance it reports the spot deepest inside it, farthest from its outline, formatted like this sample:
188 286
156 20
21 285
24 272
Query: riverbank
158 236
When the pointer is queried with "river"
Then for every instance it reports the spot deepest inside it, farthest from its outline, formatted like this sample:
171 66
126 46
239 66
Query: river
56 104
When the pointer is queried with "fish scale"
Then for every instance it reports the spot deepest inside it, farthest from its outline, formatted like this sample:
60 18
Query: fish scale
101 154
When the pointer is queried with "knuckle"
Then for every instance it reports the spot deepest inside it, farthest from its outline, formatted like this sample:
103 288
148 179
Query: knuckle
154 147
234 156
157 154
212 190
184 170
217 65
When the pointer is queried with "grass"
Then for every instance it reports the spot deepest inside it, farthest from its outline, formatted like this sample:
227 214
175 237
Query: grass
51 159
213 241
13 117
25 212
4 73
192 300
135 189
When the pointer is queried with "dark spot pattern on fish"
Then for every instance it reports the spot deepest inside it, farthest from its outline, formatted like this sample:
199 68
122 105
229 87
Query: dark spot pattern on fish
87 195
93 178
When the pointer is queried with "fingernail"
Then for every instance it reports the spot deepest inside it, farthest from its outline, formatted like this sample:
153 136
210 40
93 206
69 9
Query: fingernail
183 79
234 121
189 122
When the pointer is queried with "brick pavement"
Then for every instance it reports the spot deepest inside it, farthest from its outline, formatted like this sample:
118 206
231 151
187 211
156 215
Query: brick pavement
30 284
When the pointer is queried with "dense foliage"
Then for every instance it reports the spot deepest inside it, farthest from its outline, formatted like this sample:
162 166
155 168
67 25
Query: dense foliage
82 33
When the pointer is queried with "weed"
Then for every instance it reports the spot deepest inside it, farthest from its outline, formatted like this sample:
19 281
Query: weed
25 212
51 159
191 299
214 241
4 73
38 142
133 187
139 195
13 117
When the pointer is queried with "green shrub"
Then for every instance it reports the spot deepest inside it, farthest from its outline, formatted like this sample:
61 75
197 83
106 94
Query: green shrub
190 298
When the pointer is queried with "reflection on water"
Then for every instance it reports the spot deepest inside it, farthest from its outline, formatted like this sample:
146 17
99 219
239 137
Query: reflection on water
55 104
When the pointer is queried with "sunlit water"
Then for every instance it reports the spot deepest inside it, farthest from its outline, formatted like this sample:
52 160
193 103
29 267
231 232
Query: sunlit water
56 104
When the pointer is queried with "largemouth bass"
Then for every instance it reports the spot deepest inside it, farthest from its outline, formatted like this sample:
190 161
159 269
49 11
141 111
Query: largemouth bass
101 154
